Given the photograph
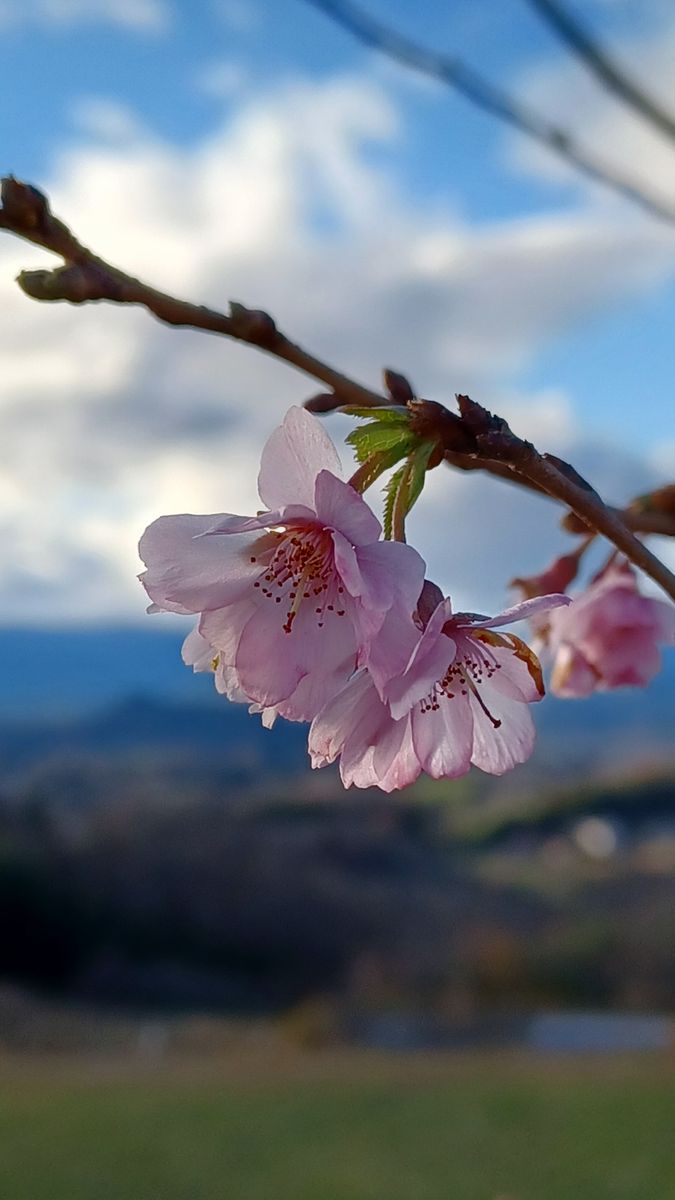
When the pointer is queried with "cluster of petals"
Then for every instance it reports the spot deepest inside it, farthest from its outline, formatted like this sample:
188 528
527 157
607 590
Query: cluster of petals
461 696
289 601
305 612
609 637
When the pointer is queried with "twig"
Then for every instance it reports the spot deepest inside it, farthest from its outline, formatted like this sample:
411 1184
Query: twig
475 440
85 277
495 440
485 95
640 521
659 524
596 58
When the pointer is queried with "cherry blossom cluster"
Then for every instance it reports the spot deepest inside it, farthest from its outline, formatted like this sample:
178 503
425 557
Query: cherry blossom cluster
306 612
314 611
608 637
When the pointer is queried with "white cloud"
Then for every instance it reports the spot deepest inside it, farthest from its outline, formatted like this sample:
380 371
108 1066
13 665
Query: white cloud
139 16
568 94
220 79
108 419
105 119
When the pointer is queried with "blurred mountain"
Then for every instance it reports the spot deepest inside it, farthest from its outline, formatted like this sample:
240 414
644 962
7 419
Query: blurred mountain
72 693
144 734
162 848
66 671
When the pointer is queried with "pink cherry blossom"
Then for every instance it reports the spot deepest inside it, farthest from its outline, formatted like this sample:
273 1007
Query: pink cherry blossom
609 637
291 599
203 657
461 698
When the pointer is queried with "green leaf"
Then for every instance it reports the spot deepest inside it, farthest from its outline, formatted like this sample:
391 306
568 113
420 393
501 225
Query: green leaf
370 439
405 487
419 461
373 467
395 415
390 493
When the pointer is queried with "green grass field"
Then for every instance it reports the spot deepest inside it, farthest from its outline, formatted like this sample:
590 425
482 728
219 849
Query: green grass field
454 1130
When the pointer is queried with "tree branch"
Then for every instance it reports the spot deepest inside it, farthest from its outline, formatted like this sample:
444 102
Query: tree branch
473 441
596 58
661 524
85 278
485 95
494 441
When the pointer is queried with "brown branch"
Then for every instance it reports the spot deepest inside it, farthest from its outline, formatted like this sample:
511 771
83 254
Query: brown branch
467 462
604 520
644 521
495 441
657 523
85 278
481 92
475 440
603 66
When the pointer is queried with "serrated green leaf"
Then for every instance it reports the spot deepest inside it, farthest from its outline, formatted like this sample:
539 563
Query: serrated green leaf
394 415
373 467
405 487
419 461
369 439
390 493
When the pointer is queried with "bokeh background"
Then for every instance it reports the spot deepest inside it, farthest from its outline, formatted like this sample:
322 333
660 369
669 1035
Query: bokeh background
220 974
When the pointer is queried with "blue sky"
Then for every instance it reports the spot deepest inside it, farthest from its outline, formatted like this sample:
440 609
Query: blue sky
252 150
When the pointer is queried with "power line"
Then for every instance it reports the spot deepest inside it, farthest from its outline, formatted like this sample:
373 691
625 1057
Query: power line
485 95
601 64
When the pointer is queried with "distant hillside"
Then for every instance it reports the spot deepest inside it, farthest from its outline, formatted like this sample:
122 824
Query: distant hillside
74 691
66 671
161 734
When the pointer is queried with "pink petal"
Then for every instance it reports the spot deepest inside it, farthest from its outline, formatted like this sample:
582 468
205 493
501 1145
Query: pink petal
504 661
188 573
390 651
268 672
199 654
290 514
520 612
354 708
382 576
223 627
227 684
419 679
392 573
498 750
315 689
292 458
395 762
357 765
347 565
374 750
631 661
196 652
572 676
664 621
339 506
271 663
443 737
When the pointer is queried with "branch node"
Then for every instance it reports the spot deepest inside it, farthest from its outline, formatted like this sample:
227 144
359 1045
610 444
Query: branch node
75 284
325 402
253 325
428 419
23 205
398 387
